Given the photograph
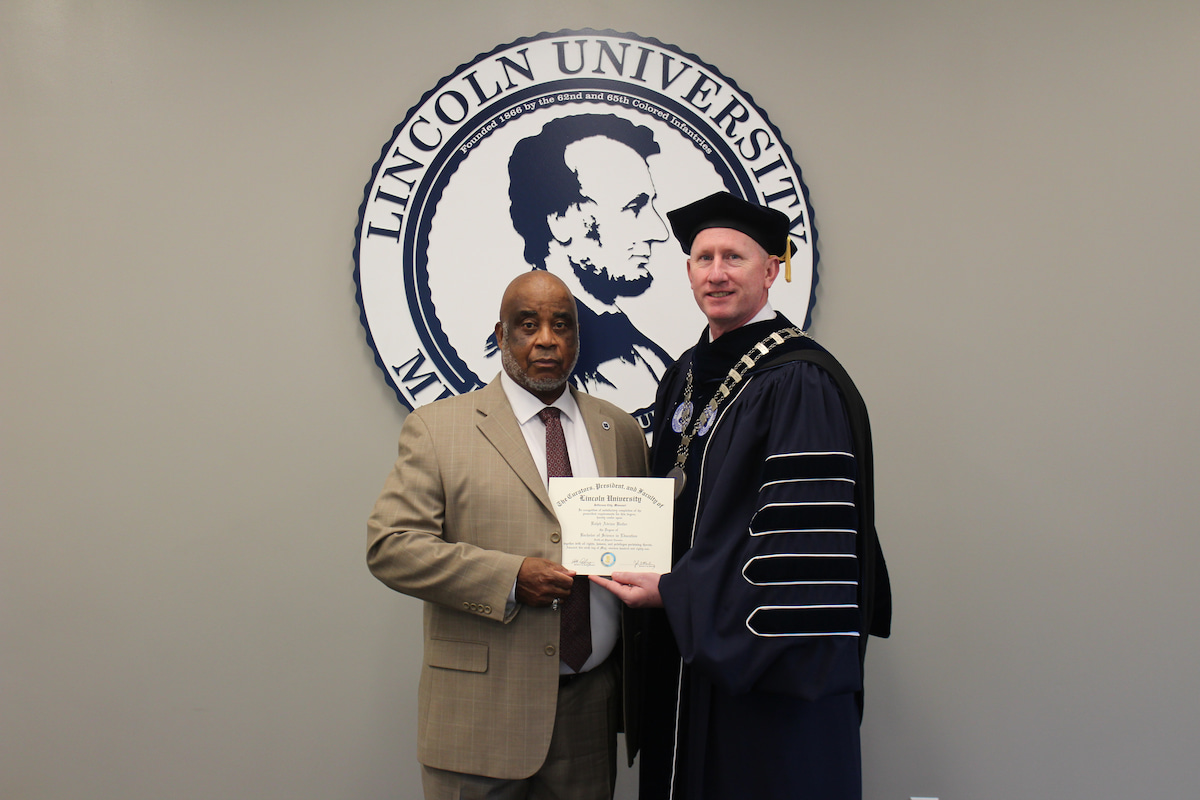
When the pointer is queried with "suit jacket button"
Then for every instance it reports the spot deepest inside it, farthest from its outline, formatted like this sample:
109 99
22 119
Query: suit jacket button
549 649
555 537
487 609
466 605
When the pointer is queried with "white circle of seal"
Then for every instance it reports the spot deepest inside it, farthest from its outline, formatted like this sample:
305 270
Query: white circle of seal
562 151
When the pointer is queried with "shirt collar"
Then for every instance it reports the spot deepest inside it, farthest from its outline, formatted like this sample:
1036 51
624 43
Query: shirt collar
526 406
766 312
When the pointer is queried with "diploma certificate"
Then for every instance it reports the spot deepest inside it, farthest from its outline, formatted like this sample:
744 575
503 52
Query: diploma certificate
614 524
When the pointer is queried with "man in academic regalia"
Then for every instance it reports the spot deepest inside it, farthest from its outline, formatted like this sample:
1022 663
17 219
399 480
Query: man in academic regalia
752 671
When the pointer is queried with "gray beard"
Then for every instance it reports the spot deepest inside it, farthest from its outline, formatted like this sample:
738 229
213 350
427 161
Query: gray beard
524 381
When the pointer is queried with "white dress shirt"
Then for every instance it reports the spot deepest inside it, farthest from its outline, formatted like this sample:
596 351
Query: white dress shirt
605 607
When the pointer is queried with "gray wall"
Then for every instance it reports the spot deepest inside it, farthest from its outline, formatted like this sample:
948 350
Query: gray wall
194 429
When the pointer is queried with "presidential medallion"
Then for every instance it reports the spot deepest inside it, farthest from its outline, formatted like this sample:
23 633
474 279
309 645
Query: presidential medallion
680 480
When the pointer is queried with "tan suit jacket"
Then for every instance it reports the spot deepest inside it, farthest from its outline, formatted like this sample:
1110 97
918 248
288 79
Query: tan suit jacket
461 509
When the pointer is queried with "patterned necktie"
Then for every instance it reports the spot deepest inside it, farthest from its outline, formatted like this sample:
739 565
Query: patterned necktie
575 633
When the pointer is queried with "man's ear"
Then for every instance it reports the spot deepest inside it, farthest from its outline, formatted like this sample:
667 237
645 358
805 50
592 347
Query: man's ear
564 226
772 270
500 334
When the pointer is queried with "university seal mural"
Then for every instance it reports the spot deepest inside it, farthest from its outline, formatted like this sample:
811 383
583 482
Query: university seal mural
563 152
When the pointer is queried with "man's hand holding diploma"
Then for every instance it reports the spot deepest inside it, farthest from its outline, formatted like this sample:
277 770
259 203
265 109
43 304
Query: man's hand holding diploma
636 589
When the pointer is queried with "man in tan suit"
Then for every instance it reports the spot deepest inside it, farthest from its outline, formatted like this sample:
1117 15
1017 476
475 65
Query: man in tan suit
465 524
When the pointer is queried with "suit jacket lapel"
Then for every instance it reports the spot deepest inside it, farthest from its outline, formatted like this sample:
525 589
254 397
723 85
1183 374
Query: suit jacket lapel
600 432
497 422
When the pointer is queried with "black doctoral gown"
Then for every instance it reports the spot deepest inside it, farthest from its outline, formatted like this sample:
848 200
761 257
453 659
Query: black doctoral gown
752 674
